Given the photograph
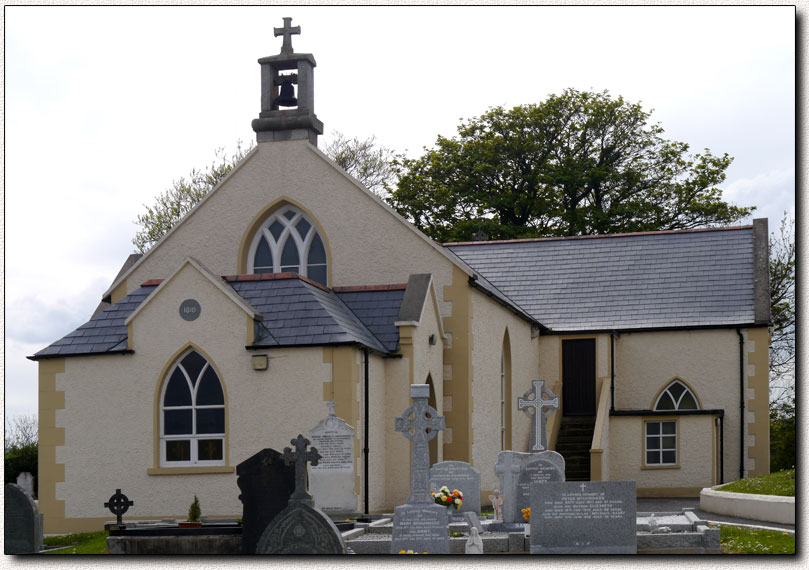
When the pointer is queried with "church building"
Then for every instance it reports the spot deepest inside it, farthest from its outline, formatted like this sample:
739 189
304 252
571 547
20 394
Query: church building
290 285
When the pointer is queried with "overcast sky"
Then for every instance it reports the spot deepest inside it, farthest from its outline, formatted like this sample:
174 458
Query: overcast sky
105 106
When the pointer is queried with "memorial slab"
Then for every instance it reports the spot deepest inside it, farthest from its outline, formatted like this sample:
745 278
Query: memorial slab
266 482
591 517
331 481
22 527
508 468
544 468
458 475
26 482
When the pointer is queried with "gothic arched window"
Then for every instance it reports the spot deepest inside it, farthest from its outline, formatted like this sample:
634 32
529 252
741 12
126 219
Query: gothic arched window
192 414
289 241
676 396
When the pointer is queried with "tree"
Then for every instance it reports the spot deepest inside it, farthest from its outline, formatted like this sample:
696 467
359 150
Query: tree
177 201
367 161
782 307
577 163
21 449
21 430
783 444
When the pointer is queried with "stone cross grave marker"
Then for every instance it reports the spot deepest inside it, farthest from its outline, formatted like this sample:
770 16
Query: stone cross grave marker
266 482
118 505
22 529
420 525
420 423
301 528
331 481
287 31
593 517
539 437
507 469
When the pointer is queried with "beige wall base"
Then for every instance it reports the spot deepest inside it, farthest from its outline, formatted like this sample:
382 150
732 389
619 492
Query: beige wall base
668 492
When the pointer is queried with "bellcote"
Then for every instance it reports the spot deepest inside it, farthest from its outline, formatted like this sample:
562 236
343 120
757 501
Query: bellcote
285 116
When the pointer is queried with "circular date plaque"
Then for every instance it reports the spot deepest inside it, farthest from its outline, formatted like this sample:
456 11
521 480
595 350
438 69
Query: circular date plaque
190 309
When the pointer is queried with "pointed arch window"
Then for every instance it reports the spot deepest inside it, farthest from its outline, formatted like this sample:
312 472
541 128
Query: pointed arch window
676 396
662 436
288 241
192 414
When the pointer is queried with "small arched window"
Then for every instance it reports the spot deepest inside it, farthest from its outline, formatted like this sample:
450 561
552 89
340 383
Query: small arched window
676 396
288 241
192 414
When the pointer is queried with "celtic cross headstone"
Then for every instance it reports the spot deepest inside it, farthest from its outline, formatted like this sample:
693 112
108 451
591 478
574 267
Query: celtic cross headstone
118 505
420 423
539 437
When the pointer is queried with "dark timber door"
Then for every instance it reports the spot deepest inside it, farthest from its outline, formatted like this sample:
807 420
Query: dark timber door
579 377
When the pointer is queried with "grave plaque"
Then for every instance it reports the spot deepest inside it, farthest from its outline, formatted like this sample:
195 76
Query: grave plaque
331 481
509 469
301 528
22 533
540 470
458 475
591 517
26 482
266 483
420 525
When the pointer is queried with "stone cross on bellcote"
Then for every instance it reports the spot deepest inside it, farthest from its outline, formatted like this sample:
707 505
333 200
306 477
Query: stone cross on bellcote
300 457
539 437
287 31
420 423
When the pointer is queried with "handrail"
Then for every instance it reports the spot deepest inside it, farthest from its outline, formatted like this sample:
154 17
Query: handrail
556 417
600 433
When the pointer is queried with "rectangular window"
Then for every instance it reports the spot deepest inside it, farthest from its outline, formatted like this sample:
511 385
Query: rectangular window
660 443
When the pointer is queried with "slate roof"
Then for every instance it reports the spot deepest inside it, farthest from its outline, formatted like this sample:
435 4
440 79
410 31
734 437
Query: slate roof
296 313
105 332
630 281
377 309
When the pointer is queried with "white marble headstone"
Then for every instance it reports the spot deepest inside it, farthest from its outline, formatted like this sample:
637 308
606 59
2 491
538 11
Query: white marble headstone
331 481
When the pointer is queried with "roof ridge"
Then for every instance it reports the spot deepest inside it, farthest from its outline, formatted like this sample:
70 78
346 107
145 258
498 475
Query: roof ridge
598 236
369 288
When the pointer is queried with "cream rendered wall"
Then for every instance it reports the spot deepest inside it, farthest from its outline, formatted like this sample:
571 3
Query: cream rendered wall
377 434
111 443
368 244
489 323
707 360
397 447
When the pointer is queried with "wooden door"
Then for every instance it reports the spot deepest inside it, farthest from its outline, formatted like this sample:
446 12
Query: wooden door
579 377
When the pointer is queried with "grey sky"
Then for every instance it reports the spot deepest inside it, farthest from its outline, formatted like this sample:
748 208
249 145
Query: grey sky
105 106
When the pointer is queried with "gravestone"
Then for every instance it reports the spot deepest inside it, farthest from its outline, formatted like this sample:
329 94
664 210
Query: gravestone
473 521
266 483
331 481
26 482
538 403
118 505
22 532
420 525
458 475
509 469
591 517
301 528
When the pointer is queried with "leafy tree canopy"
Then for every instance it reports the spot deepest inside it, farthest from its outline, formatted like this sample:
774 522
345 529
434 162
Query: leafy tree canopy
782 307
364 159
577 163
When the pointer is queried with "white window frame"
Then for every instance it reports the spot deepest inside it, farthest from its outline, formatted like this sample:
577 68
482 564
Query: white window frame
194 437
659 436
302 243
676 401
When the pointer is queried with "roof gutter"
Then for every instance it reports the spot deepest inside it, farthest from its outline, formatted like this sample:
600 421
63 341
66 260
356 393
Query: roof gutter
36 358
655 329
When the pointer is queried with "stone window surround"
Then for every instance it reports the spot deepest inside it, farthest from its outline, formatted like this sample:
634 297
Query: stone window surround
661 420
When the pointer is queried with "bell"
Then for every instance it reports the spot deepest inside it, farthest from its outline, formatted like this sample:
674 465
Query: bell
287 96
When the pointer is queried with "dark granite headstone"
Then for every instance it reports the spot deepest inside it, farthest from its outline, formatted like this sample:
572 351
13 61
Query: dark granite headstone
23 525
266 483
301 529
540 470
591 517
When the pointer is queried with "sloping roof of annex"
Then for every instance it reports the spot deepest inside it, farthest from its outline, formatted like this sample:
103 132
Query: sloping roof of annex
295 311
653 280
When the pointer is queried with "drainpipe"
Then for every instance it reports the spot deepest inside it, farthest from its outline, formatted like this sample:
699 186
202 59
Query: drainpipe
365 450
612 372
721 421
741 403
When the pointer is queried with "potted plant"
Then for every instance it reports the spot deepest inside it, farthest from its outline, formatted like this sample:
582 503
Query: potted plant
194 513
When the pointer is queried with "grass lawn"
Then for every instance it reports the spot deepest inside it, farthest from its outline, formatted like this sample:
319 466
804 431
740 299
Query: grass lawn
781 483
739 540
80 543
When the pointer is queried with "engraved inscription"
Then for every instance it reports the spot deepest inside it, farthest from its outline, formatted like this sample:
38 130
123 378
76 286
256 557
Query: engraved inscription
336 450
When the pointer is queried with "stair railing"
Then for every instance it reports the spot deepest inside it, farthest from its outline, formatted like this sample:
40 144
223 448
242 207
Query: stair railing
599 450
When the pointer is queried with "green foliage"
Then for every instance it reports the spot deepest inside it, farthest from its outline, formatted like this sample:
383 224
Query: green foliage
194 511
367 161
184 194
78 543
577 163
19 460
783 445
741 540
781 484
